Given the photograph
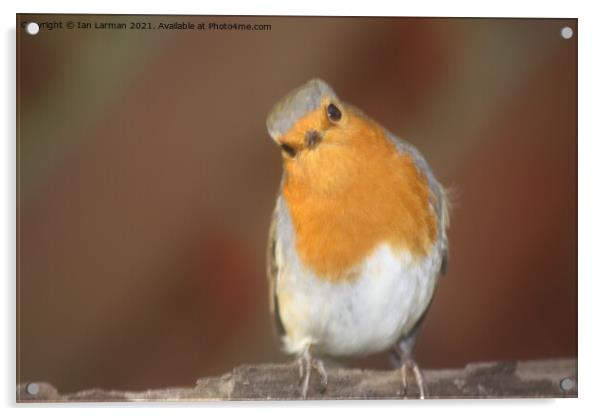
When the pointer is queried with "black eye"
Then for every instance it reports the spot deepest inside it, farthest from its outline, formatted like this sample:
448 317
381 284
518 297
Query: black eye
334 114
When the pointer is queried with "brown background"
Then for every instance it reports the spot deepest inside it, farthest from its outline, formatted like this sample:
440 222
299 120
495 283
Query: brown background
147 180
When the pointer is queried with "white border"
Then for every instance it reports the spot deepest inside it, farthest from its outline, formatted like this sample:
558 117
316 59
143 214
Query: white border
509 8
590 203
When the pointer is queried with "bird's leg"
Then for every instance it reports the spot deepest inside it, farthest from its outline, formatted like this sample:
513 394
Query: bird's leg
319 366
407 361
306 362
304 373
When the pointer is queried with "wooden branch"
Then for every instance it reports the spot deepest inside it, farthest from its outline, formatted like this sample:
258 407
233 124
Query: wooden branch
545 378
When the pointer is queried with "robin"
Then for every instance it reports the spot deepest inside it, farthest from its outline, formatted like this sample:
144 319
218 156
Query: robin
358 235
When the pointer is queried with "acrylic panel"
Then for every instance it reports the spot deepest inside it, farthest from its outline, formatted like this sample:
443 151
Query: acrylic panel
148 171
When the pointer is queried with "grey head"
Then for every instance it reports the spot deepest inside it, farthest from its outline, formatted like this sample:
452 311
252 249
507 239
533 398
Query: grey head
296 104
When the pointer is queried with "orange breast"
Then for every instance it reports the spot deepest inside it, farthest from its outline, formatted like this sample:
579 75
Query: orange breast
353 192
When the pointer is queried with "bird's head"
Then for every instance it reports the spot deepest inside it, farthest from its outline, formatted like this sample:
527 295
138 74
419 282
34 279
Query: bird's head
322 139
306 118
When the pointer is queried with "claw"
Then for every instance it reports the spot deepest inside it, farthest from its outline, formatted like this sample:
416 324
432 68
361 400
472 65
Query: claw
306 362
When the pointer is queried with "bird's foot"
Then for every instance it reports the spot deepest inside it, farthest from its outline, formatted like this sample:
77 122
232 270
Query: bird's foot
306 362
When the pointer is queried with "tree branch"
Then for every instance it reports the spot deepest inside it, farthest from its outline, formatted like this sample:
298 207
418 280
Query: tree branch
545 378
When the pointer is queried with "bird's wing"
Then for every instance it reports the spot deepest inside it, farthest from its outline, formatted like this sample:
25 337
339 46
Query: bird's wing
444 220
272 272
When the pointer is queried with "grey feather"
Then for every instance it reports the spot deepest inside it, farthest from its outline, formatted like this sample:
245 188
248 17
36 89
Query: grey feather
297 104
272 272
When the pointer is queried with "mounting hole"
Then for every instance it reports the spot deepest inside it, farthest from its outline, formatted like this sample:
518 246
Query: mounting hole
567 384
33 389
566 32
32 28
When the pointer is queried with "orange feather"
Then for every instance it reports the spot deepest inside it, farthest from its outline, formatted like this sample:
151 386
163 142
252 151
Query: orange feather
351 193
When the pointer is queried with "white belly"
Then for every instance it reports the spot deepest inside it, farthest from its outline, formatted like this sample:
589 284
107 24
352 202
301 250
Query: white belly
364 316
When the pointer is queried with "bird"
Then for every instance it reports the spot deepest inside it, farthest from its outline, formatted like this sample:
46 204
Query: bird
358 236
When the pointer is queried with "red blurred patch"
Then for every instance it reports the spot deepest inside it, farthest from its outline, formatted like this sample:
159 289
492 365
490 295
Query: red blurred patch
224 280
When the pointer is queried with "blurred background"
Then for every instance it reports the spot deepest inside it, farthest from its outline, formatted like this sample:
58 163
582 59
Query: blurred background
147 181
